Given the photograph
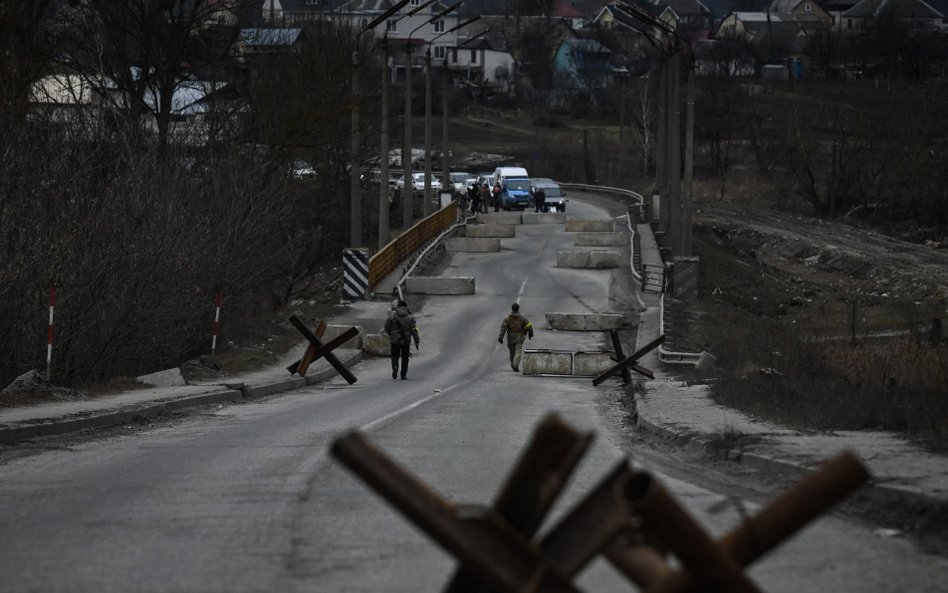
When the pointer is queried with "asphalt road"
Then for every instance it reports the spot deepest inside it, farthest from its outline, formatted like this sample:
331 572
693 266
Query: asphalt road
246 498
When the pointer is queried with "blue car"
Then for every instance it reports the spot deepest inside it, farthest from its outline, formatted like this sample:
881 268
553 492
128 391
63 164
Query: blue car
516 193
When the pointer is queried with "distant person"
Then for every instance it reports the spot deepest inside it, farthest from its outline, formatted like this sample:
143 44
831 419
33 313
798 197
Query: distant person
539 200
515 326
495 195
474 194
485 198
401 329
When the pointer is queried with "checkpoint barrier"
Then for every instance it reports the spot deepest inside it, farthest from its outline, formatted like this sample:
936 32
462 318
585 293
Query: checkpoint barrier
467 245
564 363
409 241
629 518
377 345
585 321
440 284
317 349
544 217
594 259
334 331
610 239
589 226
490 231
500 218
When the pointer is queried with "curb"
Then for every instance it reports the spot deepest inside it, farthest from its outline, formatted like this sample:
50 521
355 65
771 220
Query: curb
28 430
873 492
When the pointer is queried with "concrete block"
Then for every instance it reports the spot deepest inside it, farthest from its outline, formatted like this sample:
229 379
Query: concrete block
466 245
499 231
585 321
377 345
589 226
332 331
592 259
500 218
601 239
590 364
165 378
440 285
547 362
544 217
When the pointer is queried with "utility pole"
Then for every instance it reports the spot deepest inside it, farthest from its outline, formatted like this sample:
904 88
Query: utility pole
408 194
426 197
384 222
355 189
687 201
674 163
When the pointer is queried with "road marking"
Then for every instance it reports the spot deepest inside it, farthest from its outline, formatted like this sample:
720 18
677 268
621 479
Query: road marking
522 286
370 425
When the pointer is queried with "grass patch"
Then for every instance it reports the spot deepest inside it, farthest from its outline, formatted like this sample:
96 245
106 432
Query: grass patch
776 362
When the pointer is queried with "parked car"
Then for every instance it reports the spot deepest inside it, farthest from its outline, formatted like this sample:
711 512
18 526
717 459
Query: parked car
555 196
418 183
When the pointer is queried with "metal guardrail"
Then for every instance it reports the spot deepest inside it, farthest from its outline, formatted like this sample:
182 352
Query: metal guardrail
670 356
602 188
388 258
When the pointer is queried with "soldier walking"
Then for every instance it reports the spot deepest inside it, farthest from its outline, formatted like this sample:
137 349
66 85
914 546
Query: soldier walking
515 326
401 329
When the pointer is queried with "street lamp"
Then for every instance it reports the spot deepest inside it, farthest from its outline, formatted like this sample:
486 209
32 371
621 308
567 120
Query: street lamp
447 174
383 144
409 209
355 169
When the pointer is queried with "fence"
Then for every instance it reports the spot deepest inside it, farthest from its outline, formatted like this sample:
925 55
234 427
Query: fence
387 258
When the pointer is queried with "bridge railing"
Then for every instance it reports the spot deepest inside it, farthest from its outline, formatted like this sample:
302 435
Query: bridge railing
407 243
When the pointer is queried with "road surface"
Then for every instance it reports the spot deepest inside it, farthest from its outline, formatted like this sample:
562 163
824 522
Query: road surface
245 498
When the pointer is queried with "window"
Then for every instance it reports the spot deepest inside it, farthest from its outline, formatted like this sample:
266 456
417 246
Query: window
363 23
806 7
473 56
439 52
415 2
849 23
454 57
391 25
439 26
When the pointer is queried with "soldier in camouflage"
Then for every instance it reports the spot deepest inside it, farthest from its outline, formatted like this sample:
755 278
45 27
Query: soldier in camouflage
515 326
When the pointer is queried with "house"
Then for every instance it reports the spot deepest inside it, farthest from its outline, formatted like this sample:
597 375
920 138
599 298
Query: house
484 62
916 14
836 8
258 41
772 38
568 13
801 8
584 64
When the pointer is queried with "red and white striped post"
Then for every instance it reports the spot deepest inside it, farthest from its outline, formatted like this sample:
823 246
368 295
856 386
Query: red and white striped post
49 333
217 321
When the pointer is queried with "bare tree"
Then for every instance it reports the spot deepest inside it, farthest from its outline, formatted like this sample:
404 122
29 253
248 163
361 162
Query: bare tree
644 119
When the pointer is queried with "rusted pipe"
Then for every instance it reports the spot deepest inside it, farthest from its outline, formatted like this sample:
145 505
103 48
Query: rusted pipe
714 568
784 516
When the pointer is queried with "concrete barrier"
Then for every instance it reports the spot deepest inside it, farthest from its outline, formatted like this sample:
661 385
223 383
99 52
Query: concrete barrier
547 362
332 331
590 364
585 321
592 259
601 239
466 245
589 226
500 218
484 231
544 217
440 285
377 345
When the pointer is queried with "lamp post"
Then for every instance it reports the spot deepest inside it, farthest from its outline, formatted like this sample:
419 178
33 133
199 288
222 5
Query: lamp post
355 169
409 210
384 221
444 155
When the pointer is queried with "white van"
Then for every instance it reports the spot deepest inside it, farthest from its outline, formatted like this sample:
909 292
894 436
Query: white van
501 173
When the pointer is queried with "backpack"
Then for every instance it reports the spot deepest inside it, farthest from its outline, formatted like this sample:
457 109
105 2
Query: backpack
514 324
